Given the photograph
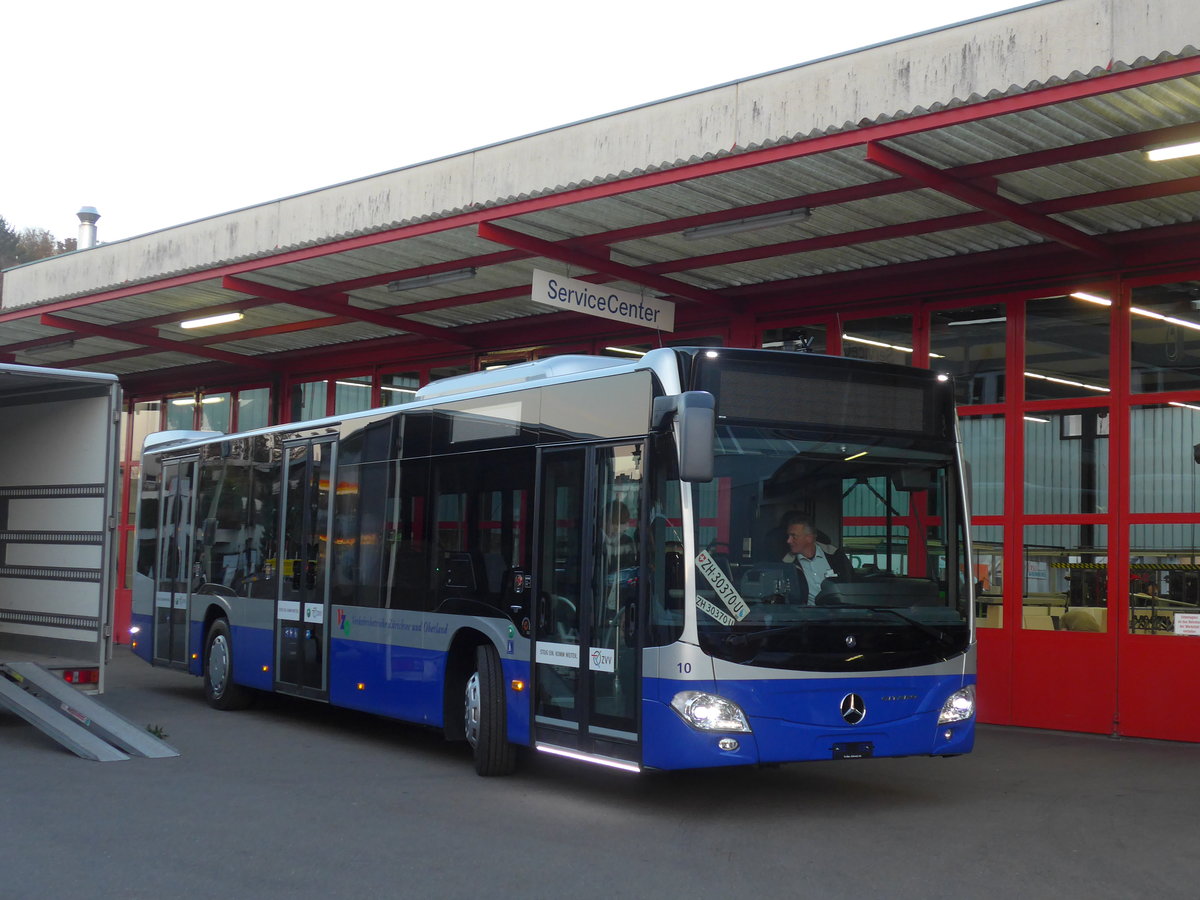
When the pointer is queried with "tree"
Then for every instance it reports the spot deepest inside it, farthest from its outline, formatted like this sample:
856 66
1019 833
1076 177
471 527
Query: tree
35 243
8 245
29 244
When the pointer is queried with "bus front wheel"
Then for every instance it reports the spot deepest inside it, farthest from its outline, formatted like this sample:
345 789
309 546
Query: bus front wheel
484 715
219 688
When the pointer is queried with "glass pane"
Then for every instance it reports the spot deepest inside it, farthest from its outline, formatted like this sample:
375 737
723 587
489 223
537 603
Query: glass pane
146 420
804 338
1165 337
987 543
214 412
1066 461
983 447
439 372
1066 348
1164 579
352 394
1066 578
1164 475
181 414
885 339
970 345
308 401
398 387
799 532
253 409
612 661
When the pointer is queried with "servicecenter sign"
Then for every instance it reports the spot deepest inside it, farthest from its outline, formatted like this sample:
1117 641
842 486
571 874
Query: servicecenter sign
608 303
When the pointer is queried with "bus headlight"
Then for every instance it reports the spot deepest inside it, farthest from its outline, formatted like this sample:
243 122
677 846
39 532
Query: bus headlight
959 706
708 712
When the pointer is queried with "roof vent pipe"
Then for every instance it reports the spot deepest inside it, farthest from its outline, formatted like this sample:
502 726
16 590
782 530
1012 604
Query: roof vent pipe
87 227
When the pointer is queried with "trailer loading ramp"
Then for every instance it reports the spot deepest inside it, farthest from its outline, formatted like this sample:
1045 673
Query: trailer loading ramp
74 719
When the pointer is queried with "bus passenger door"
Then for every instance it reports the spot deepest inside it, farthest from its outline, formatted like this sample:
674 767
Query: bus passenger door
302 603
173 589
586 643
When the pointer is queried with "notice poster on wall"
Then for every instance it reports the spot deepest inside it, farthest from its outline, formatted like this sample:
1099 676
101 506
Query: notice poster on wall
1037 578
1187 623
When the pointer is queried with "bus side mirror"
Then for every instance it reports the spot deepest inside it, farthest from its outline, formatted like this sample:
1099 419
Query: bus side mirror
694 413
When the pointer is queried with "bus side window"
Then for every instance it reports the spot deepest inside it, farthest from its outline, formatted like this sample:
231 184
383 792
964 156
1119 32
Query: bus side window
408 567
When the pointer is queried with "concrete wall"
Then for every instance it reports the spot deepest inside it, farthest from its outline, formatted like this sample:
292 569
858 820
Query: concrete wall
1027 46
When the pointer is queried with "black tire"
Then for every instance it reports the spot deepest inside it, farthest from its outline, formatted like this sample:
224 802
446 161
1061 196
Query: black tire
484 715
219 688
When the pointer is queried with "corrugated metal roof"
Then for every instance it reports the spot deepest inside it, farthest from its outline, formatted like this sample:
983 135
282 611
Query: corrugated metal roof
843 236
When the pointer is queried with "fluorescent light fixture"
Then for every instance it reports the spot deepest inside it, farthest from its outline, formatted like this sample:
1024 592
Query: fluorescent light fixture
358 384
1092 298
422 281
191 401
989 321
212 320
1159 154
861 453
1037 419
1170 320
1138 311
1067 382
1184 406
753 223
638 353
901 348
49 348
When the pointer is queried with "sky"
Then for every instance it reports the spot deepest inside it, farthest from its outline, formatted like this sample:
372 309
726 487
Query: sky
160 113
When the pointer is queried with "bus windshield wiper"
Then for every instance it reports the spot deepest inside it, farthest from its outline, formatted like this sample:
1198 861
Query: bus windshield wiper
936 633
735 639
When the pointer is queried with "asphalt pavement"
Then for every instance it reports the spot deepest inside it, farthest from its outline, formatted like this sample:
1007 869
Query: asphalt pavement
291 799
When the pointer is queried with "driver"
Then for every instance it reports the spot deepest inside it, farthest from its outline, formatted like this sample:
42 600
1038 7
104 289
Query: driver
814 561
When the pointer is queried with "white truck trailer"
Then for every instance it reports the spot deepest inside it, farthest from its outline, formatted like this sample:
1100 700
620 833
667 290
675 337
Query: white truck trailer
59 465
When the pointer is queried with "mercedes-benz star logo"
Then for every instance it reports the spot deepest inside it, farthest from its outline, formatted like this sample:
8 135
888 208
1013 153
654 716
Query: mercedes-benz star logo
854 710
851 642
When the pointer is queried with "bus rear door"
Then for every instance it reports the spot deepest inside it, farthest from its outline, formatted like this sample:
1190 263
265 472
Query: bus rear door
175 570
302 603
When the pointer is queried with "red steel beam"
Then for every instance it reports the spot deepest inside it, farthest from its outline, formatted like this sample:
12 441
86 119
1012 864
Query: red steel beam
125 336
974 112
321 304
566 254
969 193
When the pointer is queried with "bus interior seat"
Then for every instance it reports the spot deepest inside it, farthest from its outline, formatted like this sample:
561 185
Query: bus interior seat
459 572
494 569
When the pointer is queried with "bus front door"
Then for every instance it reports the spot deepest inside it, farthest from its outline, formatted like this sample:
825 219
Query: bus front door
174 572
302 603
586 659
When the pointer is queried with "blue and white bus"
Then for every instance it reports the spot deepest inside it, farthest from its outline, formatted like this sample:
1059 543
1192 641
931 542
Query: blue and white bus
588 556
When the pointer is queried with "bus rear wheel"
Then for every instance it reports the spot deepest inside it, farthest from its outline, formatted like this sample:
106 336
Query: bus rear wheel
484 716
219 688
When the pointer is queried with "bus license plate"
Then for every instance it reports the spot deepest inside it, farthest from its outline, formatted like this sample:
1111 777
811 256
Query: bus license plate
854 750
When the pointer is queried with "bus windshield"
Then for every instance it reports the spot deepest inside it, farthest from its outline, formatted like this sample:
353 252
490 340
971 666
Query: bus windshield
831 553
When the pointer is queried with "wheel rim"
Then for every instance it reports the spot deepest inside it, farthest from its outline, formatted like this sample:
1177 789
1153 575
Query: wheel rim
471 710
218 664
